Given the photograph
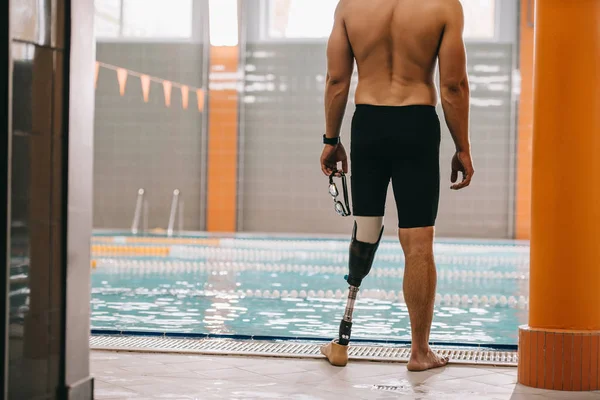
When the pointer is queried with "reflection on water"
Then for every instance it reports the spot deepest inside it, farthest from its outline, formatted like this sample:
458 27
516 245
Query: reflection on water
202 312
265 299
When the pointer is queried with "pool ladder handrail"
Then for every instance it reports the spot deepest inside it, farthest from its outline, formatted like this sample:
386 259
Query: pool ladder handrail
141 208
177 205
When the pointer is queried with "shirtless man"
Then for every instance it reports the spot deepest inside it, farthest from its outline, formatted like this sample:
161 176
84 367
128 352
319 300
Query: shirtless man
396 136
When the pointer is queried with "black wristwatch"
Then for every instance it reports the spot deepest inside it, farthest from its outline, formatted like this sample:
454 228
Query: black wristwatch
331 141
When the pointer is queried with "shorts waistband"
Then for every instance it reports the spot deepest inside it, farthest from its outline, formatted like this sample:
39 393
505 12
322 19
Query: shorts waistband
389 108
405 112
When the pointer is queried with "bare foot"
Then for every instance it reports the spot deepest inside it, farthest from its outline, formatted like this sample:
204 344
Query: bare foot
423 362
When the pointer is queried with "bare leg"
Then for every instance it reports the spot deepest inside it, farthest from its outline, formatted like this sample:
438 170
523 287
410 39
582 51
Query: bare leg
420 280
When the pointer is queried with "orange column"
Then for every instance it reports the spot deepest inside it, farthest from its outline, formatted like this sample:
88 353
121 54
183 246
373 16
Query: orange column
222 139
560 347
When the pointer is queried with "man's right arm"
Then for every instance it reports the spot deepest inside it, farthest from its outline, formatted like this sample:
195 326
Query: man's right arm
454 87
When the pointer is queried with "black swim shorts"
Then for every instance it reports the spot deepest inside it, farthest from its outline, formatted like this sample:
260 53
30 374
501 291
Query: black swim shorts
401 144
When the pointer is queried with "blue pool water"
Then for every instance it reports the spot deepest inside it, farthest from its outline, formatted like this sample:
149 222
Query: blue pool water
291 287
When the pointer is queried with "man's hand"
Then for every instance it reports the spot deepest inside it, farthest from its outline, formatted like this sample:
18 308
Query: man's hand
331 156
461 162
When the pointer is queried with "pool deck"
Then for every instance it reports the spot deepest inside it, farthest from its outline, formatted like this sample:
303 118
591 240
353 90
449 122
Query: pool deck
123 375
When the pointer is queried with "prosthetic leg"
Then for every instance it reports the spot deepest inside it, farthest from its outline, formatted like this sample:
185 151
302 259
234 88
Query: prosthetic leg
360 262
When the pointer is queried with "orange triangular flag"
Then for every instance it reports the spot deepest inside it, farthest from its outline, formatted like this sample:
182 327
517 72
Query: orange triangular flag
200 95
185 96
167 88
145 87
122 78
96 74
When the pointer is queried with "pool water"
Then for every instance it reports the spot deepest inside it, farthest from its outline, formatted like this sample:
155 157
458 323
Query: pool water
291 287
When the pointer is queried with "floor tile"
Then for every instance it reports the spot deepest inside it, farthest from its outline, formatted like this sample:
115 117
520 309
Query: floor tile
365 370
103 390
174 358
310 364
299 393
128 362
522 389
199 366
123 380
518 396
503 370
465 387
160 376
465 371
300 377
421 378
274 368
228 373
153 369
235 361
498 379
166 389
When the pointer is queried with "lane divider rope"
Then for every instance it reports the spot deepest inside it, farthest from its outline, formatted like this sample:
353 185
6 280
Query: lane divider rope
153 266
455 300
229 254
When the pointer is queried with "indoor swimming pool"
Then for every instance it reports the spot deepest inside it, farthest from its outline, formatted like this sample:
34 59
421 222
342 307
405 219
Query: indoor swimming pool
293 287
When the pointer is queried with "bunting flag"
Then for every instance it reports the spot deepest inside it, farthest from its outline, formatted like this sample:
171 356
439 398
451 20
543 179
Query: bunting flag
96 75
122 78
185 91
167 86
145 79
200 96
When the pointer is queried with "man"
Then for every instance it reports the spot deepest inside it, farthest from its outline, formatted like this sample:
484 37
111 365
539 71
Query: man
396 136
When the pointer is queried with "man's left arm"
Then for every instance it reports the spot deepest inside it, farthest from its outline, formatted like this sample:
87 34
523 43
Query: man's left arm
340 66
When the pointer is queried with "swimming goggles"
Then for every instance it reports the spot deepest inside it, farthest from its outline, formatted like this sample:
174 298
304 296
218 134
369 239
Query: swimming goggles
340 208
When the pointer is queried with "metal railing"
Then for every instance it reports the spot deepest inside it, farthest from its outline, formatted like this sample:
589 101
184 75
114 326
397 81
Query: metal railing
177 206
141 210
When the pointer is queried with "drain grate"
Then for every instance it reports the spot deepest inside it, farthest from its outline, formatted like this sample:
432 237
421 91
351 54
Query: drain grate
289 349
389 388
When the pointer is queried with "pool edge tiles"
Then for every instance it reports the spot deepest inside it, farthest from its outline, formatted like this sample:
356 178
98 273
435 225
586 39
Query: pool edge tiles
290 349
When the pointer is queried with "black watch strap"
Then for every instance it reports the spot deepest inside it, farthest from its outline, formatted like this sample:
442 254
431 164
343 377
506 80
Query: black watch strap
331 141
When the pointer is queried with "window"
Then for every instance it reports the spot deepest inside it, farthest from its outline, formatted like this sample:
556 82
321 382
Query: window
107 18
306 19
298 19
223 22
480 19
157 19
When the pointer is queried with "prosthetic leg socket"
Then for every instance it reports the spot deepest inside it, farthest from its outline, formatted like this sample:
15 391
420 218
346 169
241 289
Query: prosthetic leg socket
361 258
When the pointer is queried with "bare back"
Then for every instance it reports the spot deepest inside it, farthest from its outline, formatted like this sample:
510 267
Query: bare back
395 44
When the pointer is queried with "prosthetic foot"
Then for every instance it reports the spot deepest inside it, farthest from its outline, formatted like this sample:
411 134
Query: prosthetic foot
361 259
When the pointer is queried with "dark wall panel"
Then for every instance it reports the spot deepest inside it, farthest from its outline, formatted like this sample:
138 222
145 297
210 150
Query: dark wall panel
36 263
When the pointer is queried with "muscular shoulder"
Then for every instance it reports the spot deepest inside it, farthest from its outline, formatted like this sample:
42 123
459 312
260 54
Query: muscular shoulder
452 9
341 7
348 7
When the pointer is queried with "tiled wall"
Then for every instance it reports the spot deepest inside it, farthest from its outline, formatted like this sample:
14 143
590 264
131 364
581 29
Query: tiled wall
36 256
148 145
283 189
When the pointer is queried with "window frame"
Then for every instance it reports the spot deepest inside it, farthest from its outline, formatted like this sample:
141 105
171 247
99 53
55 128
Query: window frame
265 22
154 39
